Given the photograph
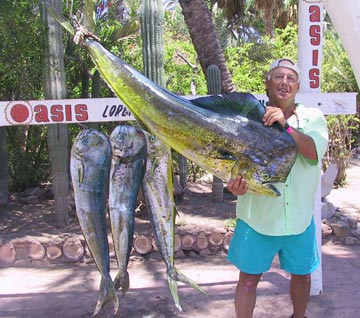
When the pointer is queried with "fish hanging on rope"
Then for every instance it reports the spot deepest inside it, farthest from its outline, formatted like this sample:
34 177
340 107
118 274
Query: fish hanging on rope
127 171
157 187
89 168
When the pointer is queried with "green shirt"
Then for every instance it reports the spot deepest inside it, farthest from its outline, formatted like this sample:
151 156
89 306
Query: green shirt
291 212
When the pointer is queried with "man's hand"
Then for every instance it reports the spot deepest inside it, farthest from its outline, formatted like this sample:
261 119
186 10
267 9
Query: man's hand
272 115
238 186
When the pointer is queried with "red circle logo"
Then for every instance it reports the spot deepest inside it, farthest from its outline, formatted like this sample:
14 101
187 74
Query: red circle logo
18 113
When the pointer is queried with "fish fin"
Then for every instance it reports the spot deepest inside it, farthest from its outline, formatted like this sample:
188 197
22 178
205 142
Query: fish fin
175 274
174 292
81 172
154 165
233 104
107 292
122 281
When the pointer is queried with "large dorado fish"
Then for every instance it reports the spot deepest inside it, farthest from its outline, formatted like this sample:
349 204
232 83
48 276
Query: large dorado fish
127 170
89 167
157 187
224 142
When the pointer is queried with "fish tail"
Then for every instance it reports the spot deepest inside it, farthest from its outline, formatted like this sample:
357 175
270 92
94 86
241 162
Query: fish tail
122 280
174 291
175 274
107 292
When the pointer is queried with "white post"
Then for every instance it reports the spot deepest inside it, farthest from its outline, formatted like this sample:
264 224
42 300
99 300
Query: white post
310 41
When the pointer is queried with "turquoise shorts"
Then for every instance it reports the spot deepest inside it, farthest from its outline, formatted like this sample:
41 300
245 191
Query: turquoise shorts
253 253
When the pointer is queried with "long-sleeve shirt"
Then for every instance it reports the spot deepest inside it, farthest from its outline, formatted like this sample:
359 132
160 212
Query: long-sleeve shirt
291 212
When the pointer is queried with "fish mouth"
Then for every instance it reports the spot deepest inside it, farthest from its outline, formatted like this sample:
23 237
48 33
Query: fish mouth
122 151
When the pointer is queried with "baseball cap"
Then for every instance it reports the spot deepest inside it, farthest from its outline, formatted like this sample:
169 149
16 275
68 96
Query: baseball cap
285 63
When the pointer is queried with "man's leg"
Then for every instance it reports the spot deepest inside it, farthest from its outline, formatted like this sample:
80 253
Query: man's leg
245 294
299 293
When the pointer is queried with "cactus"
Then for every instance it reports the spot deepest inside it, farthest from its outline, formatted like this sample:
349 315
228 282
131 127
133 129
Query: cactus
213 78
152 19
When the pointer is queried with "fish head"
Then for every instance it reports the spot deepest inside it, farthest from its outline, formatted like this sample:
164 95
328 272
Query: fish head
91 145
156 149
127 141
262 177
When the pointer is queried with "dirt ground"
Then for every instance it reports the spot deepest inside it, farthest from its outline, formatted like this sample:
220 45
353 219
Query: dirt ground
71 290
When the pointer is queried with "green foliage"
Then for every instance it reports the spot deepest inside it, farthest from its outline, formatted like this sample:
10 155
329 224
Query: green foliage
285 42
248 75
21 52
341 128
182 69
249 62
337 74
28 158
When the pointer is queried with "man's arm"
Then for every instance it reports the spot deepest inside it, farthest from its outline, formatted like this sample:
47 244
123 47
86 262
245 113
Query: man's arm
305 144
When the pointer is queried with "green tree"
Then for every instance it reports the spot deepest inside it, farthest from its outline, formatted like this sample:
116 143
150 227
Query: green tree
21 47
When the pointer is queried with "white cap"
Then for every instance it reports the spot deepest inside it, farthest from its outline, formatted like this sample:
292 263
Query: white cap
285 63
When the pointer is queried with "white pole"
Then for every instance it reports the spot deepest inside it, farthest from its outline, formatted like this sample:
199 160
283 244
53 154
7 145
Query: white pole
310 41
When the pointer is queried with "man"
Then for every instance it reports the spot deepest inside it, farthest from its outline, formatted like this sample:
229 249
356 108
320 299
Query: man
284 225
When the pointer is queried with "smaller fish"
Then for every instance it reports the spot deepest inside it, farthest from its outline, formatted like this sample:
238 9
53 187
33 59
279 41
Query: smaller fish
127 170
157 187
89 168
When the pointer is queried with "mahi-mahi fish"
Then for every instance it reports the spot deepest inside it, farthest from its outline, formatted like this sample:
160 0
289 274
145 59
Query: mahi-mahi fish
223 143
157 187
90 167
127 170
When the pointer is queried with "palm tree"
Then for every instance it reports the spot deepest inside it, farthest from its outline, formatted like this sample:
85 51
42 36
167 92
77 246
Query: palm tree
207 45
276 13
205 39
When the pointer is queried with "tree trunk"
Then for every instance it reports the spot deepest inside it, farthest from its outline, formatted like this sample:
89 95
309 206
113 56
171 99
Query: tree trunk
55 88
4 174
205 39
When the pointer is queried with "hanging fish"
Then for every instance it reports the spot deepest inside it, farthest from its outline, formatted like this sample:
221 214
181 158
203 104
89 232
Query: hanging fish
225 142
157 187
89 168
127 170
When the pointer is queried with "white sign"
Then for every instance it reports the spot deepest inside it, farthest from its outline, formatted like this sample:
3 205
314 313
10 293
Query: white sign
63 111
310 39
72 111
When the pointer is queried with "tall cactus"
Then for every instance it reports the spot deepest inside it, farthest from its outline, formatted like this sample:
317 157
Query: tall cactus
152 19
213 77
